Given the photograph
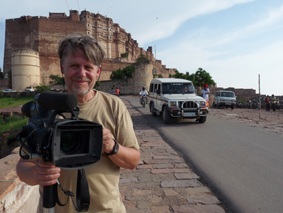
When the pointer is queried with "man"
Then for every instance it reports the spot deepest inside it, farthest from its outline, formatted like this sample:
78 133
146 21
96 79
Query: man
80 61
273 102
143 92
205 93
267 103
117 92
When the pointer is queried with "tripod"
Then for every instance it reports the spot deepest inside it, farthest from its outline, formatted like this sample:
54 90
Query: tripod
49 199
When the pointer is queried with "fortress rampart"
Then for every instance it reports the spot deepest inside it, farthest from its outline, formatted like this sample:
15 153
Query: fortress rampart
42 34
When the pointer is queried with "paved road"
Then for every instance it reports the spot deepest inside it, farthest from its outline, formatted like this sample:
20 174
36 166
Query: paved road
243 165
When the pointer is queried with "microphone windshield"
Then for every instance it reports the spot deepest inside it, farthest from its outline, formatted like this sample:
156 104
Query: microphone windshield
57 101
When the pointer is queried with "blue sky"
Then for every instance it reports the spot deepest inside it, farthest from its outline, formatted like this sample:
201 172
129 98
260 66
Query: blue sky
233 40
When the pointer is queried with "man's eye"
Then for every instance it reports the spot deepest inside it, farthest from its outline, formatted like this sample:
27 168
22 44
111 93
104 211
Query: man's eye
73 65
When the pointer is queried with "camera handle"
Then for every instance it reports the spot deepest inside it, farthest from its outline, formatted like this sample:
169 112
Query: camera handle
49 198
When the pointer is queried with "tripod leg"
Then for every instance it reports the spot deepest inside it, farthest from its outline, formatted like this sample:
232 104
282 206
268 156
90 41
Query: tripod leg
49 199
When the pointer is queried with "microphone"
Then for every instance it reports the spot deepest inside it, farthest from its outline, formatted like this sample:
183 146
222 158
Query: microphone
57 101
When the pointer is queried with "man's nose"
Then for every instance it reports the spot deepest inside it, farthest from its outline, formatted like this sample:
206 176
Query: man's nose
81 71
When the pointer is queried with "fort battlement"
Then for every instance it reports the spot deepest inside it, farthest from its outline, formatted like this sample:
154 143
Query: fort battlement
42 34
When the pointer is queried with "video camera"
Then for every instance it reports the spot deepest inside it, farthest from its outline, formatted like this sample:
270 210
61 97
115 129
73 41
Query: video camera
70 143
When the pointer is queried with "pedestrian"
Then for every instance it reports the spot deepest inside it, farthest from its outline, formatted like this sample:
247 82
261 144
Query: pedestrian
80 59
267 103
117 91
273 102
205 93
113 90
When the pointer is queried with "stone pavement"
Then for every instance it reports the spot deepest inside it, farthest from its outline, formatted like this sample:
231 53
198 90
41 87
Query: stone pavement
162 182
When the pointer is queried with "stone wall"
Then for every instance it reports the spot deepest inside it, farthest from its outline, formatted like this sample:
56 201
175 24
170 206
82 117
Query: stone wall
131 86
15 196
42 34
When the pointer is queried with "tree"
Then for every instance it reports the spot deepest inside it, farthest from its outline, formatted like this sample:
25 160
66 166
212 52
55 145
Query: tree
142 59
41 88
202 77
121 74
199 78
56 79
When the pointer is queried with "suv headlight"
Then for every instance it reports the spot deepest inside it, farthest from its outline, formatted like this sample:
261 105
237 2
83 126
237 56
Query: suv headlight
202 104
172 104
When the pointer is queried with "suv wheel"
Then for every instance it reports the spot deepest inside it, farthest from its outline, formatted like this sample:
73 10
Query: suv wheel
152 109
166 115
202 119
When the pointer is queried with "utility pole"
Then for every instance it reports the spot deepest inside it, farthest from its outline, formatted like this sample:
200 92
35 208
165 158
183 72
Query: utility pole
259 95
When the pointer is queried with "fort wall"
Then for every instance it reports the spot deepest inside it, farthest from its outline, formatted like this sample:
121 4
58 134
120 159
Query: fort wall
42 34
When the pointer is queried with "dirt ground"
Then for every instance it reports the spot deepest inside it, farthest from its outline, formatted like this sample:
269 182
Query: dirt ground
271 121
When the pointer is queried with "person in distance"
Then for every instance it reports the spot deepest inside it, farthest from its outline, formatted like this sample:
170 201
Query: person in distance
80 60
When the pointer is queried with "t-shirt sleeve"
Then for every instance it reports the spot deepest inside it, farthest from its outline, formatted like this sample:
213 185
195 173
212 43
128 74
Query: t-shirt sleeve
125 134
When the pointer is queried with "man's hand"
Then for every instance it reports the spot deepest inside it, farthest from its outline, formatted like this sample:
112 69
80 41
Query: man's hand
108 143
126 157
45 173
38 172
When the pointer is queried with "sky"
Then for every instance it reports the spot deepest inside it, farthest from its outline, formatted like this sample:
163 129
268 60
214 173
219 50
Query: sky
238 42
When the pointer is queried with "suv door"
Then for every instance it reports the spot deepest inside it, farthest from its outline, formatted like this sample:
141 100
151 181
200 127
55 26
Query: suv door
159 101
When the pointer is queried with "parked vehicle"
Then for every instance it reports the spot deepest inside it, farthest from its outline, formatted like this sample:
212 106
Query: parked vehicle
175 98
6 90
29 90
224 98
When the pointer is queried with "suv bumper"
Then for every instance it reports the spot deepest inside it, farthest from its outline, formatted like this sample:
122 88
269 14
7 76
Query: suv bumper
188 109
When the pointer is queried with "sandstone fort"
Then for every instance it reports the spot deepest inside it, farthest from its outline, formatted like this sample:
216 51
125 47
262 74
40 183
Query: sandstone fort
31 51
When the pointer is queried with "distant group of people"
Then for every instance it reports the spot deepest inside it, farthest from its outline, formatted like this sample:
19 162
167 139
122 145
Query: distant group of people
271 100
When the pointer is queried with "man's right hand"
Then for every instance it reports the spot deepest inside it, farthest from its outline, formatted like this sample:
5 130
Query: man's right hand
38 172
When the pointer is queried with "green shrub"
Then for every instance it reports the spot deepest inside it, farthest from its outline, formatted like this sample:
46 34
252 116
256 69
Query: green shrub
41 88
14 122
6 102
124 55
121 74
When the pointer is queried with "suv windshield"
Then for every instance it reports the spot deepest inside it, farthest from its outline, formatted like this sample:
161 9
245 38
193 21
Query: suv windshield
177 88
227 94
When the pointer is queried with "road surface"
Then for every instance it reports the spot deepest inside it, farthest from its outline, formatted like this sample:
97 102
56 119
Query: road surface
242 165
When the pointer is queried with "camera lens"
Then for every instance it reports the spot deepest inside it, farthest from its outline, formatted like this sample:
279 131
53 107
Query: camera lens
70 141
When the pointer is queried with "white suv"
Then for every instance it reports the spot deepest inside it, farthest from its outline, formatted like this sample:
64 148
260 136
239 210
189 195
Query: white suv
175 98
224 98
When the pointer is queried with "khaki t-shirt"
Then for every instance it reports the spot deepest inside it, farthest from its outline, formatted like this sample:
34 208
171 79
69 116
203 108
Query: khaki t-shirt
103 176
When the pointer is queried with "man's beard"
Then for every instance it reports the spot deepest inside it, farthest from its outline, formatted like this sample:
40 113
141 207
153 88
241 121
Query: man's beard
79 92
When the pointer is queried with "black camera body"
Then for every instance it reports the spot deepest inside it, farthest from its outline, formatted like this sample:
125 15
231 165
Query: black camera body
70 143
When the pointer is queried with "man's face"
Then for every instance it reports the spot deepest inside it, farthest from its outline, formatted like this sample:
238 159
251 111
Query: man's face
80 74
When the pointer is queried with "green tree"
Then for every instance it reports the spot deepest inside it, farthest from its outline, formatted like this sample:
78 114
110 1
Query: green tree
202 77
56 79
199 78
142 59
121 74
159 76
41 88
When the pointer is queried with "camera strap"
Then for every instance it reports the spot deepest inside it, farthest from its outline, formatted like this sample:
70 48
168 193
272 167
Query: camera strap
82 196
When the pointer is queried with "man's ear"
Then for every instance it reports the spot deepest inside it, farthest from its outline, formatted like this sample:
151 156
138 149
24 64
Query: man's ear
98 71
62 69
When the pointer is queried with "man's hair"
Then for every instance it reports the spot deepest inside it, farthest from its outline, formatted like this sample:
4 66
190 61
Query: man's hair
92 50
